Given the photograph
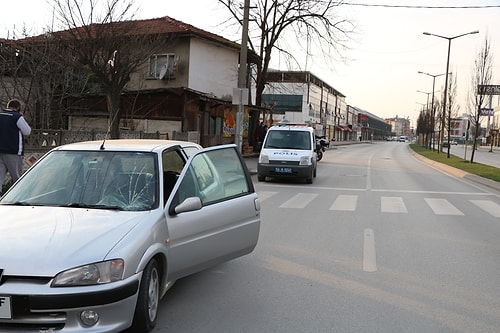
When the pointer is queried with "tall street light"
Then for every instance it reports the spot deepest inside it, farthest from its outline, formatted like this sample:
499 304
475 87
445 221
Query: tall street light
427 93
432 104
446 80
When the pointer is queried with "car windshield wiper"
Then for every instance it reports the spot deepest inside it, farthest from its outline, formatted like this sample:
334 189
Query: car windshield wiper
82 205
21 203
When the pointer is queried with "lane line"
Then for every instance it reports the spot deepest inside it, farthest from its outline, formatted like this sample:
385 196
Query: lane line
353 189
369 173
369 256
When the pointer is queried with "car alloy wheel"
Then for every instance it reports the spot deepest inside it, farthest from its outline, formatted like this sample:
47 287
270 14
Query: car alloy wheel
148 300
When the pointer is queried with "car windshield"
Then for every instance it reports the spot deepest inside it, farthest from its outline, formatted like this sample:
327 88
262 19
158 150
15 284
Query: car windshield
90 179
288 140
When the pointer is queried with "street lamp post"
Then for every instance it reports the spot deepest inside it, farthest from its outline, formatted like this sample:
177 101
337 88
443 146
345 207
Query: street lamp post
433 125
427 93
446 80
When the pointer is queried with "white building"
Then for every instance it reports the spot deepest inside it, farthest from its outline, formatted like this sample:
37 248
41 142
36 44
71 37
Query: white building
303 97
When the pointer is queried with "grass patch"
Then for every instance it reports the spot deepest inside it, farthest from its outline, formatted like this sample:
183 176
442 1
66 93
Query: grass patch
479 169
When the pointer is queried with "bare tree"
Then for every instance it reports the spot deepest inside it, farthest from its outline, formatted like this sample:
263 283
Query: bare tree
424 126
34 71
310 21
452 107
102 40
481 76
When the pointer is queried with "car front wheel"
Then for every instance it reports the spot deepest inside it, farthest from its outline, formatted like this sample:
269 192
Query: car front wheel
146 310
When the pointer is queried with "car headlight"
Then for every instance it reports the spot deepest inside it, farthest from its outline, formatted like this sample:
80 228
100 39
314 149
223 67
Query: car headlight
91 274
304 160
264 158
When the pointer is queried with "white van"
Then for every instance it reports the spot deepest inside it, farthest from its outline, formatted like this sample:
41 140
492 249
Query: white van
288 151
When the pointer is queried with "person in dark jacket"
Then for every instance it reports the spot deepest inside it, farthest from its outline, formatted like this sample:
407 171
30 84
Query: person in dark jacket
13 128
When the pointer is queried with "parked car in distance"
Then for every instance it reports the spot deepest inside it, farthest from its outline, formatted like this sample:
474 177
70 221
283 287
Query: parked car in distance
288 151
453 143
94 234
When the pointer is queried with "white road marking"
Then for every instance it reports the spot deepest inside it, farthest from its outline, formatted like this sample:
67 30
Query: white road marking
488 206
263 195
345 203
299 200
369 255
442 207
392 205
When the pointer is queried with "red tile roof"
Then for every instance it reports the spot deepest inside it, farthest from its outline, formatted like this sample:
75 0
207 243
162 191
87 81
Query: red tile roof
162 25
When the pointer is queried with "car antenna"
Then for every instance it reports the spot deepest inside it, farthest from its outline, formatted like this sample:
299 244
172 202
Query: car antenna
107 132
105 137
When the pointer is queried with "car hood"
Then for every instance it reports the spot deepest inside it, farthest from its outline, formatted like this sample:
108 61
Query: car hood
44 241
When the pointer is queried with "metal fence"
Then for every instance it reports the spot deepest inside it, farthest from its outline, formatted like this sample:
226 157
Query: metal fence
44 140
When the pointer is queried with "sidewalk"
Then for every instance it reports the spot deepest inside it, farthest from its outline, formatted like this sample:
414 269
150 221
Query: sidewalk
482 154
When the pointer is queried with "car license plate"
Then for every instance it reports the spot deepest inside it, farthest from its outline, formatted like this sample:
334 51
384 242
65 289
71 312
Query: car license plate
5 307
283 170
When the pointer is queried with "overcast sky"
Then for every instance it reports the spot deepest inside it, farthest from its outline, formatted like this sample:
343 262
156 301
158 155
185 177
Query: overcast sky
381 75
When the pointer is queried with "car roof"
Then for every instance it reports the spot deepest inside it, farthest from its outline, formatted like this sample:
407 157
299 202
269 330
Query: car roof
127 145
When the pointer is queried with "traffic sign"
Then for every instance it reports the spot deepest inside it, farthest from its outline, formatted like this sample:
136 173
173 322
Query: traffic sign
486 112
492 89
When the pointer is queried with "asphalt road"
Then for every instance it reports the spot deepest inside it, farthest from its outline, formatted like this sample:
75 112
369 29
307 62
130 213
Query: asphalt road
380 242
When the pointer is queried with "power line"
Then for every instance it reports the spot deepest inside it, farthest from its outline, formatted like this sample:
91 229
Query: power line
422 7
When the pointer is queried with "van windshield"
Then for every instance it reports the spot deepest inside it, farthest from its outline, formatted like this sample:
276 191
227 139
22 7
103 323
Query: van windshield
300 140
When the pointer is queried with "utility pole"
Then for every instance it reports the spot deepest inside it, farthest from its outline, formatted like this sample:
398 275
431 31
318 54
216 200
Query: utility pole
242 91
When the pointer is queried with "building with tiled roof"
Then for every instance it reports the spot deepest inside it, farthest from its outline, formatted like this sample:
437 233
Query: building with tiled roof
186 85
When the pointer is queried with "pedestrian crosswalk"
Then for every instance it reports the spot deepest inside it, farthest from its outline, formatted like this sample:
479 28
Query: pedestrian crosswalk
442 207
387 204
345 202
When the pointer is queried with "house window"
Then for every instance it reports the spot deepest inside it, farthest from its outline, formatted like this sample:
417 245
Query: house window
162 66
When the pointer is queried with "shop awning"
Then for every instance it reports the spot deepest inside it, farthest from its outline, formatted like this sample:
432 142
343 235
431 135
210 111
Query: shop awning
344 128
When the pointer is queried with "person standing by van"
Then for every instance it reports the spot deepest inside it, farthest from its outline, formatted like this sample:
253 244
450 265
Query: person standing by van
13 128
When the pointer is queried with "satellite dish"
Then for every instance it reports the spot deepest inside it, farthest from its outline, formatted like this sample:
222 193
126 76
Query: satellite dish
163 72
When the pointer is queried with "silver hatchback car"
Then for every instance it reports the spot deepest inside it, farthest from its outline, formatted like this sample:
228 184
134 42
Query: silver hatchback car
93 235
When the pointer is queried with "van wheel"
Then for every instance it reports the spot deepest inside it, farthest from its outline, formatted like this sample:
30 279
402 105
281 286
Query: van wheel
261 178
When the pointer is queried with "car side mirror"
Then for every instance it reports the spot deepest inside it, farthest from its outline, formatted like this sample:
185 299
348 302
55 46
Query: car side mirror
188 205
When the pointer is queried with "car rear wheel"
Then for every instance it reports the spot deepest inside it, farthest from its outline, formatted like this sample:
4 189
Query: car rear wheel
146 310
261 178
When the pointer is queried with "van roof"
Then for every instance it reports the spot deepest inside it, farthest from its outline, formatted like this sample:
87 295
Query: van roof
287 123
293 127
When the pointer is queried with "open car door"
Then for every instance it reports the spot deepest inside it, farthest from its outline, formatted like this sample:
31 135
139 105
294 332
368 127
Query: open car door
213 214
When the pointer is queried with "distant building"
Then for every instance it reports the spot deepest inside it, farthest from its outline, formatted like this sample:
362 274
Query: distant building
368 126
400 126
300 96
